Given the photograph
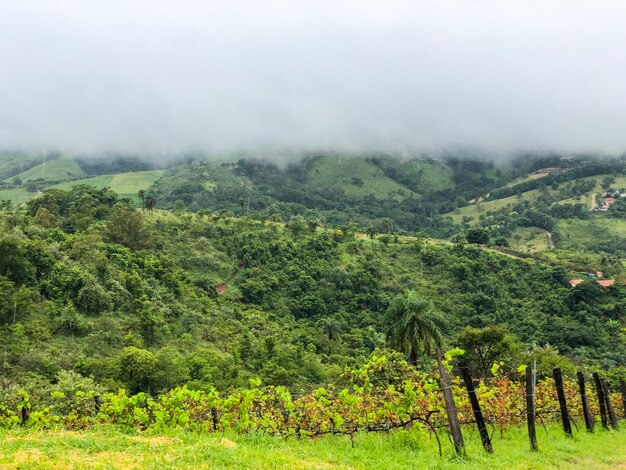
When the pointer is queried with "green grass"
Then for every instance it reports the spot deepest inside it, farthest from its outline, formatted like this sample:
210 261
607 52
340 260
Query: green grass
337 172
529 239
13 164
17 196
124 184
475 210
425 176
97 182
130 183
110 448
55 170
579 233
532 176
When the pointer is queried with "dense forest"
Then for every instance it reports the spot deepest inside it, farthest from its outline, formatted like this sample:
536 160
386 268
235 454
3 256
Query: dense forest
147 299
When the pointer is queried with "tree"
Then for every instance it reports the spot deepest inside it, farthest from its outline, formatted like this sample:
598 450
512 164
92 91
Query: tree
607 182
484 346
478 236
179 206
126 228
93 298
138 367
413 326
297 225
142 195
331 329
386 225
14 263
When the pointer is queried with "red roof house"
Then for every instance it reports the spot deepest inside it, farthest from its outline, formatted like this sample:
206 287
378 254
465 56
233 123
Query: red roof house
575 282
606 282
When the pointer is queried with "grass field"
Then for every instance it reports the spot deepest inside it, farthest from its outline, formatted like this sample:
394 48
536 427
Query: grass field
596 230
475 210
17 196
54 170
329 172
124 184
533 176
11 164
108 448
530 239
95 181
427 176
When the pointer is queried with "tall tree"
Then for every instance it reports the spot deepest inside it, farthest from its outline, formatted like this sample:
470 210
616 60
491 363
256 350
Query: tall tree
414 326
331 329
142 195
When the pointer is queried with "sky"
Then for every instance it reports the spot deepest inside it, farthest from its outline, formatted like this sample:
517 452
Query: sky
167 77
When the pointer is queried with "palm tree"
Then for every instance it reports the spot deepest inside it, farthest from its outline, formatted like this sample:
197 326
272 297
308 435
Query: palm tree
142 195
331 329
414 326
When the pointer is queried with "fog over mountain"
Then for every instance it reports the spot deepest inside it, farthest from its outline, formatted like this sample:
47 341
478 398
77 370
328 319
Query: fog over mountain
172 76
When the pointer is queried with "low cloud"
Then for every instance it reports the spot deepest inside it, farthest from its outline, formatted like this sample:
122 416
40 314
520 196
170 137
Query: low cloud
166 77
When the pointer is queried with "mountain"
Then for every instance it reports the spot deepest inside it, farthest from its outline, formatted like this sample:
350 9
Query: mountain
216 299
530 204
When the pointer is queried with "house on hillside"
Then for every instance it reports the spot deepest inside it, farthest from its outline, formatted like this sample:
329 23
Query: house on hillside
609 201
602 282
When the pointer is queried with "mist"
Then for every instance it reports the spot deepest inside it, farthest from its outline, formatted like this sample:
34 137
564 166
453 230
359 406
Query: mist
168 77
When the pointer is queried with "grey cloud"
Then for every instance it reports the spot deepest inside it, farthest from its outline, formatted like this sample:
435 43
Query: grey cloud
165 77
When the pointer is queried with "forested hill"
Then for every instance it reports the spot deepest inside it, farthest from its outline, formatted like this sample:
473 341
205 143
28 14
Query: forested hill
148 300
530 204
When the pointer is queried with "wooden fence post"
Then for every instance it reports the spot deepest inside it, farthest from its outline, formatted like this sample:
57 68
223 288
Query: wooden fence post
24 414
214 418
609 405
601 401
478 415
97 400
453 417
530 407
558 382
622 386
589 421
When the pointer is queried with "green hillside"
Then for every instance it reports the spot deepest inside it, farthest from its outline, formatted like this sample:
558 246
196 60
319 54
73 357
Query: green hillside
16 196
272 306
217 299
13 164
124 184
356 177
97 182
420 175
53 170
474 211
595 233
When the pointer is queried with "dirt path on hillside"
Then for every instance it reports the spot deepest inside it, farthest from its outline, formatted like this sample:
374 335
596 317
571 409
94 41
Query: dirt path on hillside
550 242
594 204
